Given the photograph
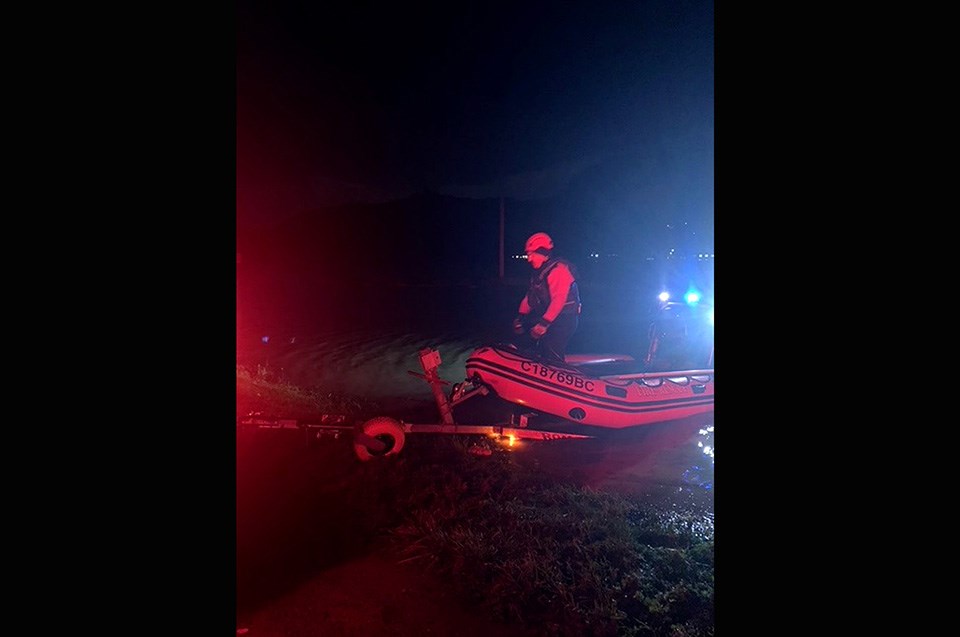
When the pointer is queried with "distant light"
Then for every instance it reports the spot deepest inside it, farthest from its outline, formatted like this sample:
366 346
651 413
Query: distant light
265 339
664 296
692 297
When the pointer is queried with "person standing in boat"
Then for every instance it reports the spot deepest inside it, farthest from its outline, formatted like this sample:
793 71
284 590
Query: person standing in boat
550 310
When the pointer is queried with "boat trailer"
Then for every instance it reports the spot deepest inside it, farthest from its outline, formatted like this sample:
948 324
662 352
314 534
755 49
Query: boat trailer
383 436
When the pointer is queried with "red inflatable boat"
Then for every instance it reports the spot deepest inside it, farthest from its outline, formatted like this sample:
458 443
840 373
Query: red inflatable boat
585 397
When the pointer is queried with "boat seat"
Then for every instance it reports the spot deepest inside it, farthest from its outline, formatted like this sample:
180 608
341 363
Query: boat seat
596 365
596 359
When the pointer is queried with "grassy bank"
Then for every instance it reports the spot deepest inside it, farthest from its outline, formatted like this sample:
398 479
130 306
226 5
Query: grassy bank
556 557
264 390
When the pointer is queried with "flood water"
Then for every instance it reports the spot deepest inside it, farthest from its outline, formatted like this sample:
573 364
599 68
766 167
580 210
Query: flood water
363 341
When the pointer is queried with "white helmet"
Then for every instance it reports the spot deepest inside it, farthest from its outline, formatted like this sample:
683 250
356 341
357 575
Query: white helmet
539 240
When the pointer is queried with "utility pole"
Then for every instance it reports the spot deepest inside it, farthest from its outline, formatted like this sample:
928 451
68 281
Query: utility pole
501 239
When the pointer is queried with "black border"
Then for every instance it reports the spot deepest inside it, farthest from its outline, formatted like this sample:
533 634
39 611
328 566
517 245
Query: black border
154 298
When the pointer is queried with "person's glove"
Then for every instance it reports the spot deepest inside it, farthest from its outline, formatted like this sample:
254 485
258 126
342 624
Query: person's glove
539 329
518 326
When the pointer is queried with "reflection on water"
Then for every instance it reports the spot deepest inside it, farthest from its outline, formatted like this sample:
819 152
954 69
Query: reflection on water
701 473
707 445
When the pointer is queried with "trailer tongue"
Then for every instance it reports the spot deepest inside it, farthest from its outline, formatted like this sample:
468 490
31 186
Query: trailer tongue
384 436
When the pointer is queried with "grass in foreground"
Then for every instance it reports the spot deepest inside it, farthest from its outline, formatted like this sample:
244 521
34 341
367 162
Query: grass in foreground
559 558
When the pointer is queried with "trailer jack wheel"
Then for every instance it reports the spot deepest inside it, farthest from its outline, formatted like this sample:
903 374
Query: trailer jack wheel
378 437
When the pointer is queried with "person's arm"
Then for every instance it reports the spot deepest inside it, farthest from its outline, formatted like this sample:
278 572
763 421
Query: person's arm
523 312
524 305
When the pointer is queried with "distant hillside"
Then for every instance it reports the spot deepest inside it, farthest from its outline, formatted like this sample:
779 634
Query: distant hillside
423 238
625 207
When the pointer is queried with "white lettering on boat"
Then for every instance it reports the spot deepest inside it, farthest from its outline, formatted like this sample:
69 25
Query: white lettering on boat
535 369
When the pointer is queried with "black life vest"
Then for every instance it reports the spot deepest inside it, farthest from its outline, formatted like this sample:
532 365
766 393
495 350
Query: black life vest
538 296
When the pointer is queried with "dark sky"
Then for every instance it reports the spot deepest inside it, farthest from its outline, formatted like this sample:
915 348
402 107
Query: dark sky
376 100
